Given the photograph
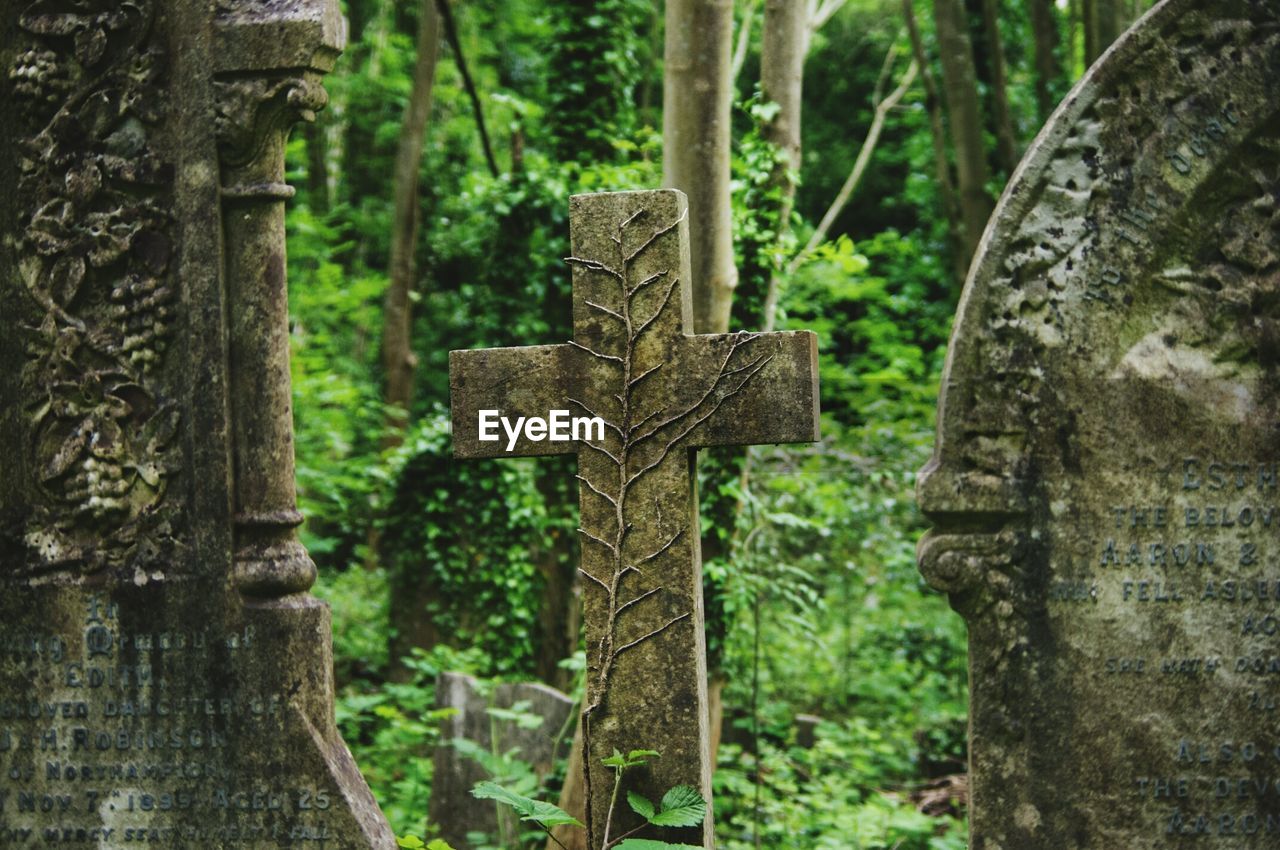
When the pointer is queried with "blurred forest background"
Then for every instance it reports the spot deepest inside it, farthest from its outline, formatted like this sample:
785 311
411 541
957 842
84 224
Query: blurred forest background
432 215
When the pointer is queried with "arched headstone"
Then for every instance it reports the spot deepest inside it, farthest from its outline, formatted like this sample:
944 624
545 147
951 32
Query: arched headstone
1106 484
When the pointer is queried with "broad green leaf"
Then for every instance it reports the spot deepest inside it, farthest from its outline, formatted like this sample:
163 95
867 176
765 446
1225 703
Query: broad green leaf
681 806
411 842
643 754
527 808
650 844
549 814
439 844
640 805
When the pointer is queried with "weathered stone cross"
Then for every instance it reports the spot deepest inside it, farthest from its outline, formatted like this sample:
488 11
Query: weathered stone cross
661 392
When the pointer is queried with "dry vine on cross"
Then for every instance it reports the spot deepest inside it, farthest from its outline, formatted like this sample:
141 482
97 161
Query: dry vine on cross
640 440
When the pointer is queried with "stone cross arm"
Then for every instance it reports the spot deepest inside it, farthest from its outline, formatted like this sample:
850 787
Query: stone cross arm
526 384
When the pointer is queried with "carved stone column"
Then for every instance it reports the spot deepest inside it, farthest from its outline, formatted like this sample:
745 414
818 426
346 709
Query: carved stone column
270 60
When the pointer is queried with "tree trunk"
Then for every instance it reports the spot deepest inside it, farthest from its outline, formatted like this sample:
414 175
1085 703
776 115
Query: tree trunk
782 53
1006 141
695 129
1044 25
937 130
1103 23
960 87
398 359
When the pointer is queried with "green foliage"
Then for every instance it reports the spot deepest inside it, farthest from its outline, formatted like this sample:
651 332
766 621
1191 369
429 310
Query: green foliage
594 71
544 814
682 806
818 800
446 578
881 324
410 842
762 244
392 730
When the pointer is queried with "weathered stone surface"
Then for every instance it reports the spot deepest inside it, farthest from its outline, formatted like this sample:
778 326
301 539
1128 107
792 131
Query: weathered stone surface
453 808
662 393
1105 480
164 678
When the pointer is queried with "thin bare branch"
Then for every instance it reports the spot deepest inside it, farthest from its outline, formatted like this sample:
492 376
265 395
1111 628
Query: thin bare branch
606 310
859 167
642 597
666 299
593 578
657 234
648 280
758 364
738 342
744 39
598 491
595 266
605 543
651 634
824 13
646 373
602 451
663 548
595 353
587 410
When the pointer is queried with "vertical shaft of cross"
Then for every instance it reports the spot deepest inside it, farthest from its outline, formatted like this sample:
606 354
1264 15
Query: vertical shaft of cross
640 560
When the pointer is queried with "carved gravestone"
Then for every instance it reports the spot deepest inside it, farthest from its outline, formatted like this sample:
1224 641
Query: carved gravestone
1106 482
455 772
165 679
659 392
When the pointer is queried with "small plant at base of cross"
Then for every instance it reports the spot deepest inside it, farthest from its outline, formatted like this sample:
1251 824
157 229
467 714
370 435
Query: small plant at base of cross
682 806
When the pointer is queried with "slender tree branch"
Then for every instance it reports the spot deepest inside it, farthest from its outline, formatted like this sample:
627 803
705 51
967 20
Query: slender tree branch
451 33
605 310
648 280
594 539
642 597
657 234
595 266
859 168
598 491
592 413
593 578
651 634
744 39
824 13
666 299
665 547
646 373
595 353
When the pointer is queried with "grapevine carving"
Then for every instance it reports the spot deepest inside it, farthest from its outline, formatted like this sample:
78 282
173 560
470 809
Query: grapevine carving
93 252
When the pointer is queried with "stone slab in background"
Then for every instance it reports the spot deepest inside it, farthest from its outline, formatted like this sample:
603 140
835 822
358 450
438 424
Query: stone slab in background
1106 483
452 807
165 680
